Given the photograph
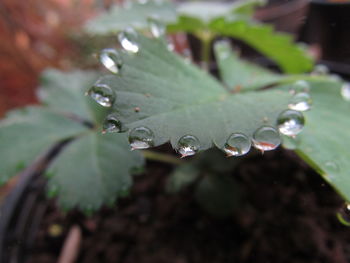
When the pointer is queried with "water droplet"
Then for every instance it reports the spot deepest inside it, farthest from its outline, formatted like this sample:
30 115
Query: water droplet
343 214
290 122
320 70
128 41
156 27
331 167
300 102
300 86
266 138
111 59
111 124
102 94
336 77
345 91
237 144
188 145
141 138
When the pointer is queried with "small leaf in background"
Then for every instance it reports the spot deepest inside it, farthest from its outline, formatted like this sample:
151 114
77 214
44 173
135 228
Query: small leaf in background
175 99
28 133
239 75
234 20
218 194
93 169
133 14
90 170
183 176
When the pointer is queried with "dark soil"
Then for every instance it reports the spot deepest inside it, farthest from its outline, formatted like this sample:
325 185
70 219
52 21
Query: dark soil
287 214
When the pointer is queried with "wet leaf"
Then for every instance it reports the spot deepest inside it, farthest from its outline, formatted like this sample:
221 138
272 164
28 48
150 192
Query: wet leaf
176 99
133 14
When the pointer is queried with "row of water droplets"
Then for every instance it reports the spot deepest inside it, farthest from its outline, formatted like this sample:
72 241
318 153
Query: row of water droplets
290 123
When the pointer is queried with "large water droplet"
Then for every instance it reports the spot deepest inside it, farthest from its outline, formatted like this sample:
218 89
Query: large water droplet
237 144
300 86
331 167
345 91
300 102
266 138
102 94
128 40
156 27
290 122
111 59
188 145
343 214
320 70
141 138
111 124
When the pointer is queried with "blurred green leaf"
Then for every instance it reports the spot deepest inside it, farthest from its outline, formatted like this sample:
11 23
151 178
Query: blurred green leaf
239 75
218 194
27 133
182 177
133 14
93 170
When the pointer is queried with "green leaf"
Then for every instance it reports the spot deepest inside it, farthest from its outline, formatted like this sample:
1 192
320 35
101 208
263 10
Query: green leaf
218 194
27 133
239 75
93 170
174 98
277 46
181 177
324 142
133 14
234 20
64 92
206 11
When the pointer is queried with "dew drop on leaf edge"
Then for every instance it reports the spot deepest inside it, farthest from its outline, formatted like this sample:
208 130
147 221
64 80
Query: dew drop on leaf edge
141 138
343 214
111 124
290 122
102 94
111 59
188 145
345 91
300 102
128 40
320 70
237 144
300 86
156 27
266 138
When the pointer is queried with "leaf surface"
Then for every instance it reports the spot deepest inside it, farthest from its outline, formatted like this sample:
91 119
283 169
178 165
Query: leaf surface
133 14
93 170
174 98
27 133
324 142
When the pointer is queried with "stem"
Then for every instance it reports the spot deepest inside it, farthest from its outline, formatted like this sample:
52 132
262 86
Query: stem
206 38
161 157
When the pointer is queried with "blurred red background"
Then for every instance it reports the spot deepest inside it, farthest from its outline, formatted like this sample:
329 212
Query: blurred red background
35 34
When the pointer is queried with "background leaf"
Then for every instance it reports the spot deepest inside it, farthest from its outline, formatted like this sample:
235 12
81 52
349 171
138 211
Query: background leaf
239 75
175 98
324 143
277 46
64 92
93 170
27 133
134 14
